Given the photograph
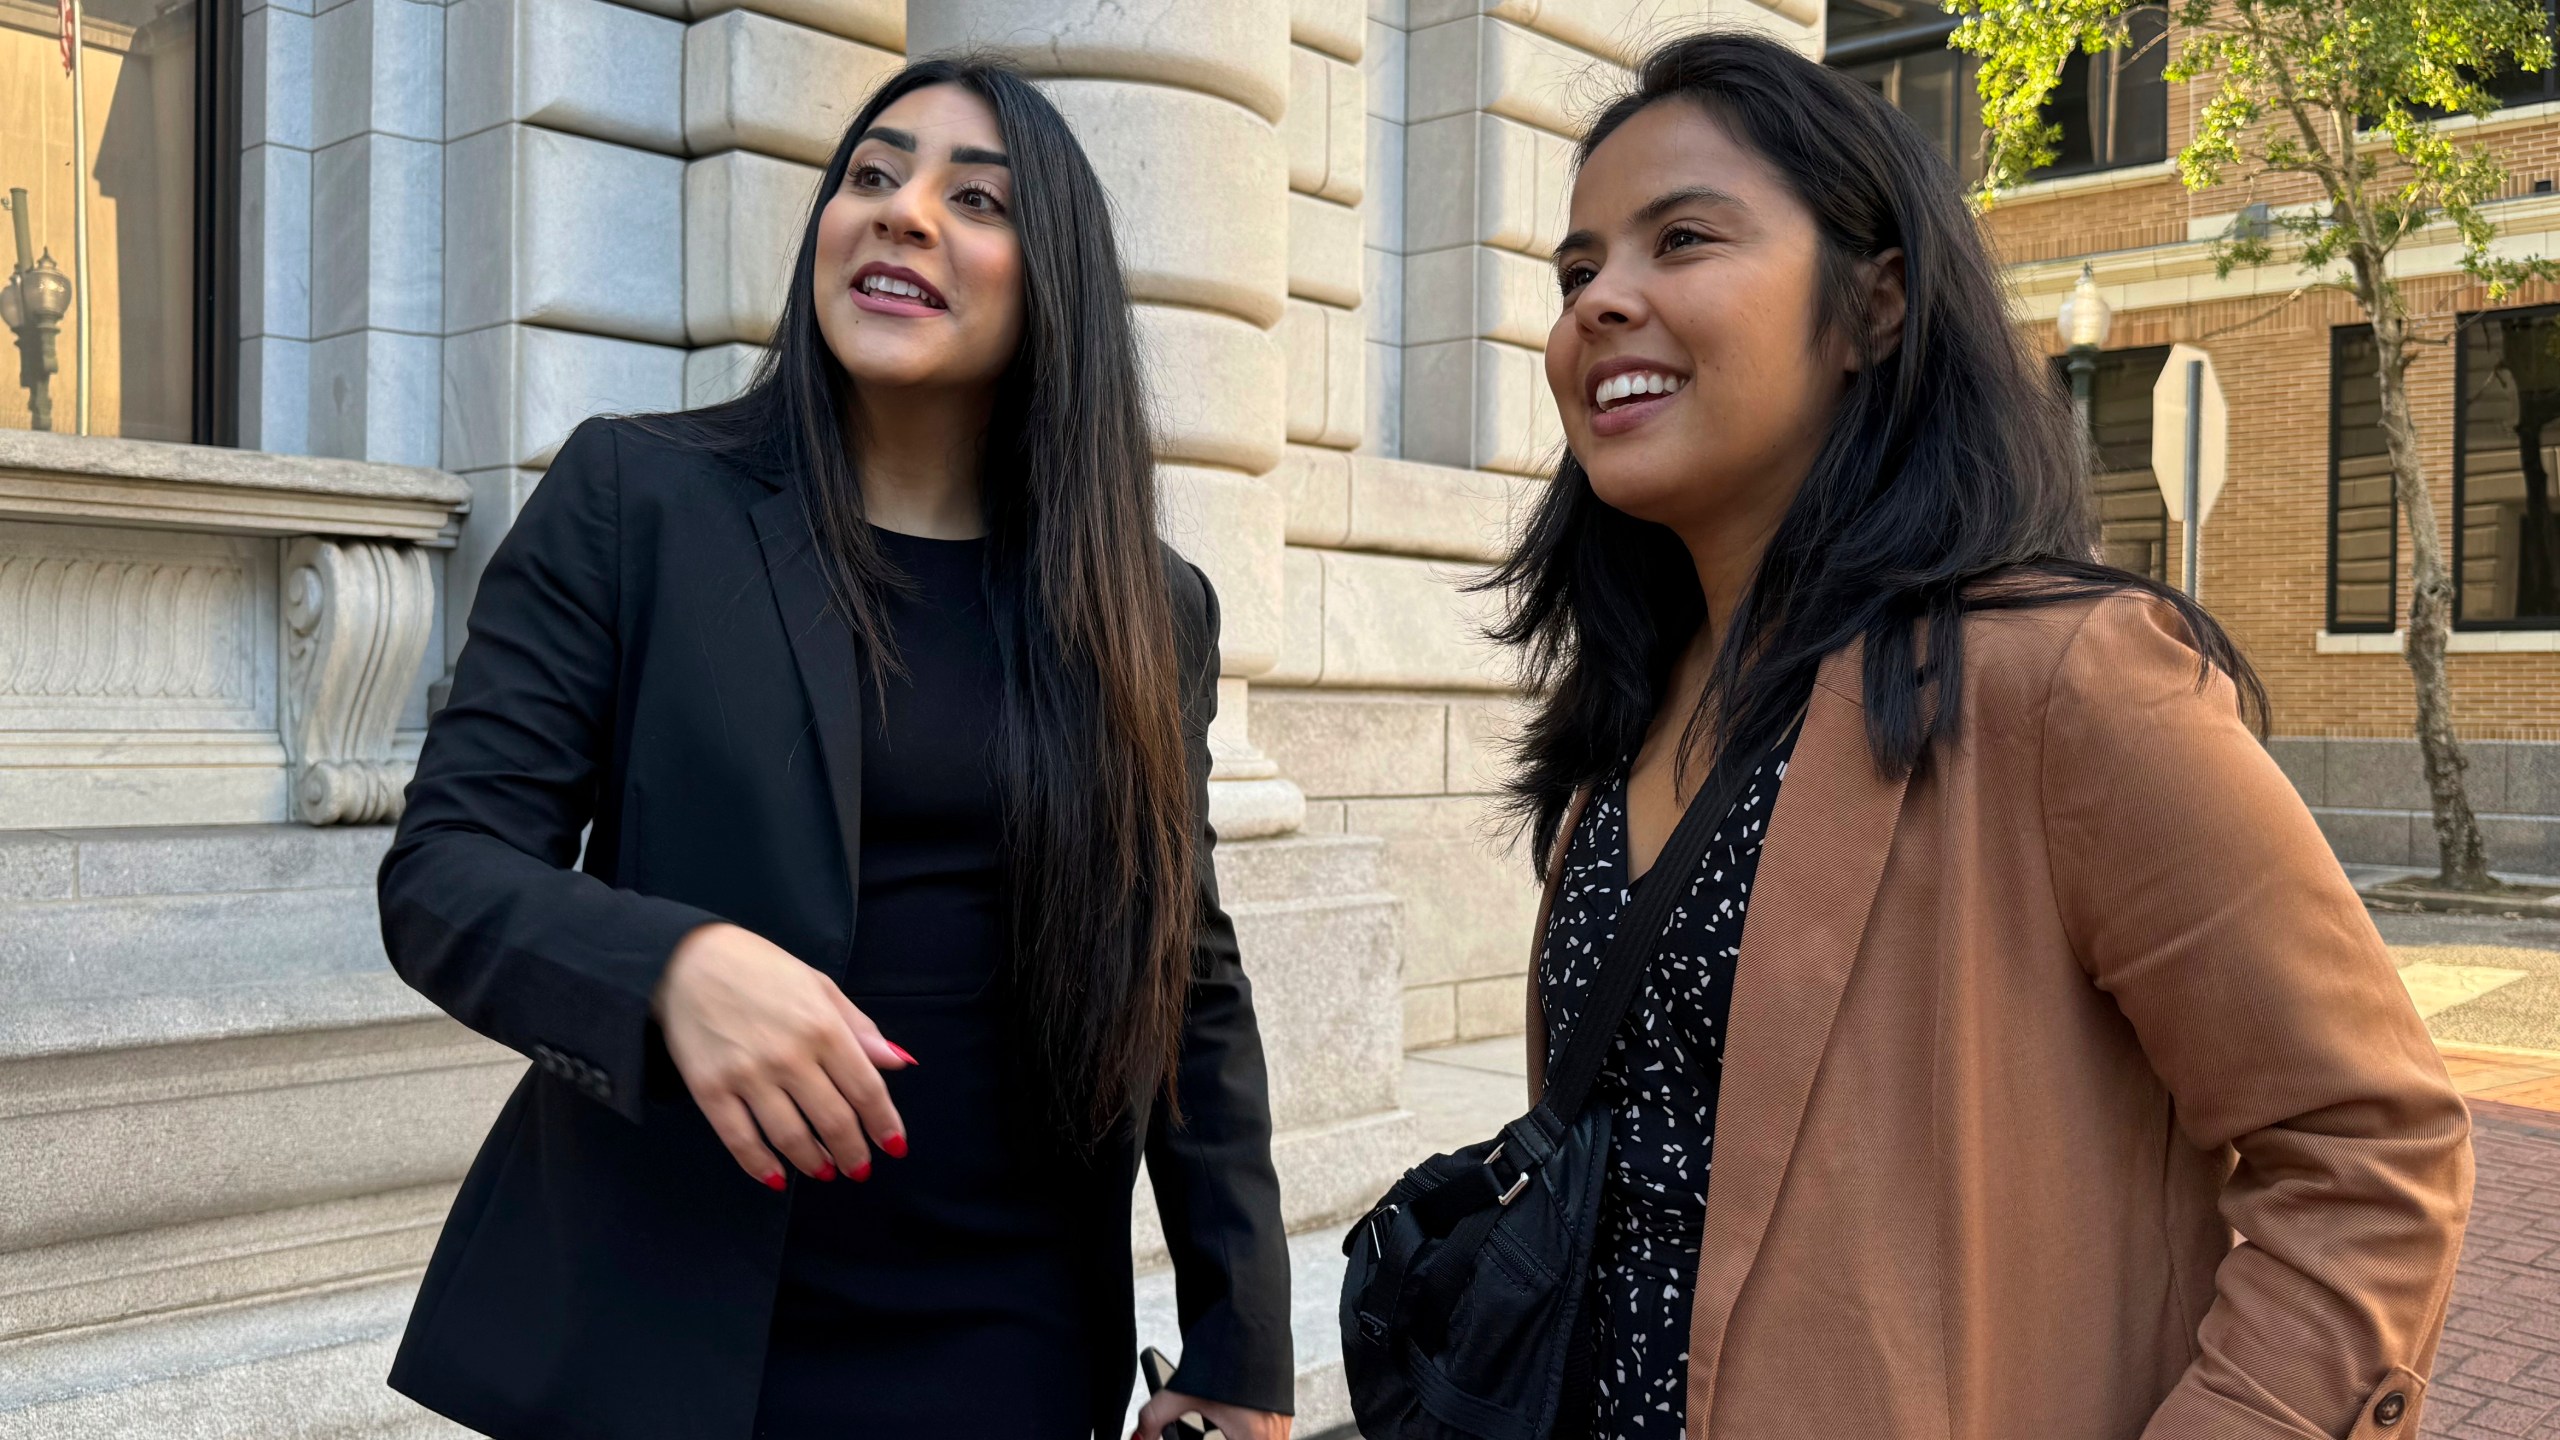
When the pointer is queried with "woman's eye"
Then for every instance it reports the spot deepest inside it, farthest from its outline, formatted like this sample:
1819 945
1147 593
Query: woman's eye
981 200
870 177
1682 240
1573 277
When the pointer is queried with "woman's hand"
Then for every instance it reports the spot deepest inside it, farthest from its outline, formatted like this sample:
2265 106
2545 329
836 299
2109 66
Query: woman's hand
1234 1422
767 1044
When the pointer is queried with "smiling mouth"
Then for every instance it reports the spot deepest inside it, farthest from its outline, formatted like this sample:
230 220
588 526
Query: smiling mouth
890 287
1633 387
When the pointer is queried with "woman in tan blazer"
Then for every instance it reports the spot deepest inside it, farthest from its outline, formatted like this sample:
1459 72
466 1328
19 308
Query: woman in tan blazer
2069 1093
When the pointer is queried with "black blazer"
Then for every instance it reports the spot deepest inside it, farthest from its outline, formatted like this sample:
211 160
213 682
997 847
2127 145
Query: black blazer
643 652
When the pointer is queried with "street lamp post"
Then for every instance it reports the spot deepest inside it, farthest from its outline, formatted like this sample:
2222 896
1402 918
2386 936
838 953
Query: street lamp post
32 304
2083 322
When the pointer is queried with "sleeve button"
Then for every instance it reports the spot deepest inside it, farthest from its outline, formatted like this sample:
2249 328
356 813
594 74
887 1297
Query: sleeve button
2393 1406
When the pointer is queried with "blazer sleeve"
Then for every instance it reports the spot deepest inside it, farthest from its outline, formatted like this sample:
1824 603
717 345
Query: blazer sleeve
1215 1187
2201 895
482 910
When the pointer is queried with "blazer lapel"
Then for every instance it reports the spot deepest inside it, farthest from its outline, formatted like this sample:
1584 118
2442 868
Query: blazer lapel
1821 863
830 670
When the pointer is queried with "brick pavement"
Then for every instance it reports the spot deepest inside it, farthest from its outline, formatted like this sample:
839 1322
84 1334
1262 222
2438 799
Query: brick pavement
2497 1376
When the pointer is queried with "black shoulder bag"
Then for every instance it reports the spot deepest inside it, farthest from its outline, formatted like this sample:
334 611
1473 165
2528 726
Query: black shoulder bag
1463 1305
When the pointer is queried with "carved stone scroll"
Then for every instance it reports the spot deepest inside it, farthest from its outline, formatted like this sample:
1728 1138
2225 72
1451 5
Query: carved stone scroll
357 618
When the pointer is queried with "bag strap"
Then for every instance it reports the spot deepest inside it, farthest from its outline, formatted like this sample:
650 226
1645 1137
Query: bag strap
1639 935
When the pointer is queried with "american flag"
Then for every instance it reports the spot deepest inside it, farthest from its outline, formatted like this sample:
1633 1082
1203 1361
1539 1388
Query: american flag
70 34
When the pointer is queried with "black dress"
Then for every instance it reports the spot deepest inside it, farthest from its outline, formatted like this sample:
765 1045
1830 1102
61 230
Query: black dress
949 1275
1661 1080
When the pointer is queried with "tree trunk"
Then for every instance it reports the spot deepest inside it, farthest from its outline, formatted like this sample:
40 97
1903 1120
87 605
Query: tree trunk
2462 858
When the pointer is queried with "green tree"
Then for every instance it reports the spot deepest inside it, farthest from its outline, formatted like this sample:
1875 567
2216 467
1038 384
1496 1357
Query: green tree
2343 95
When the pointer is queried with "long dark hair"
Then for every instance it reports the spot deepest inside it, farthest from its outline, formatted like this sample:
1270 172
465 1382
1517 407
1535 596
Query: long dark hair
1952 479
1099 815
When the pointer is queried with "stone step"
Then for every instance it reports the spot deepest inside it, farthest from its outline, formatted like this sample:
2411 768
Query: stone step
319 1358
1297 867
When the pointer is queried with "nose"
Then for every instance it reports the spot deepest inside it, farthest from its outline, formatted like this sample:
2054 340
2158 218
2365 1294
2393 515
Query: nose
910 216
1608 302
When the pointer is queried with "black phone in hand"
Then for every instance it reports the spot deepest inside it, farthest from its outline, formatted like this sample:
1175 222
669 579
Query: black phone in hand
1159 1372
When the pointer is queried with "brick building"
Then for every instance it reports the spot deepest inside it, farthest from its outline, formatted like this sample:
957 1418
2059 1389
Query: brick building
2304 556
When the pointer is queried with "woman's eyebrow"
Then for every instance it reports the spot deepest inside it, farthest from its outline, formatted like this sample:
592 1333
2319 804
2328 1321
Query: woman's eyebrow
894 139
1670 200
972 155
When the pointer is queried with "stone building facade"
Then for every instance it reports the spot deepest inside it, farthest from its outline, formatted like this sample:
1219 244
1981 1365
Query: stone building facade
429 238
2305 557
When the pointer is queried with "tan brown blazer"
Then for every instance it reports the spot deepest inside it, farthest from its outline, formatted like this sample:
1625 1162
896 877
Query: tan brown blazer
2069 1093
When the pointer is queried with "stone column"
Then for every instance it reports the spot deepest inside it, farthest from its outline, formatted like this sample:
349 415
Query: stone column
1179 106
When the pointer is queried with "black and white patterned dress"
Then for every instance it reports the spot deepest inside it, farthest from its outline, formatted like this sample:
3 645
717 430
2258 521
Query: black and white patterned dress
1660 1079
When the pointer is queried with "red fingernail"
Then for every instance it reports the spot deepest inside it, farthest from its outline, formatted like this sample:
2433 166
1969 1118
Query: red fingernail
901 1052
774 1181
827 1171
860 1172
896 1145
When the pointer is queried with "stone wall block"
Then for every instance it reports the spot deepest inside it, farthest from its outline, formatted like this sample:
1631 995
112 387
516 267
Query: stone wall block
1392 622
1325 259
1481 736
1480 404
1623 30
1431 1015
1406 507
377 254
1471 895
1235 49
275 394
1336 27
1336 745
743 218
186 860
595 232
1325 981
275 78
514 392
587 67
1302 619
1479 63
752 82
881 24
1327 127
377 395
275 249
2383 774
375 67
719 373
1229 524
1203 186
1316 484
1220 388
1327 389
1481 179
1479 291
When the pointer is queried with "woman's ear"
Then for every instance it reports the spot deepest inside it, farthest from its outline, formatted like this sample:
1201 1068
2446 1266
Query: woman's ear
1887 302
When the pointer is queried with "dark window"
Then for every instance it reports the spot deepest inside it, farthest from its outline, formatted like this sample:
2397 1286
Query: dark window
2521 87
2506 541
2133 521
2364 517
2113 108
160 91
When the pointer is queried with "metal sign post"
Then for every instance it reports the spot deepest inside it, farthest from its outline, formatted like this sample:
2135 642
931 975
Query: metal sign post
2190 439
2195 470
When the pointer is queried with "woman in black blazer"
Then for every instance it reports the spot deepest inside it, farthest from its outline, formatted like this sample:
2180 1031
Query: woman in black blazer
873 719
